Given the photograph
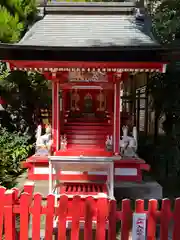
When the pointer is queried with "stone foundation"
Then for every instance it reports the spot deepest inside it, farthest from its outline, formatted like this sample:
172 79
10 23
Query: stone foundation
143 190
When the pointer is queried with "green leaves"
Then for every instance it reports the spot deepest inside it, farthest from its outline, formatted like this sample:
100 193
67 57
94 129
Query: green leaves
23 8
14 148
25 94
165 89
11 27
15 16
166 21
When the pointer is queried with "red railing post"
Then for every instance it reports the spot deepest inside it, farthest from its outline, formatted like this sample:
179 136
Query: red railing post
9 216
36 217
126 219
25 200
50 213
76 212
62 214
102 216
16 193
151 226
165 219
176 216
139 206
89 212
29 187
2 202
112 220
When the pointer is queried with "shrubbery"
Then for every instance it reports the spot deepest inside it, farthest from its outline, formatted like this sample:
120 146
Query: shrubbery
15 17
11 27
162 155
14 148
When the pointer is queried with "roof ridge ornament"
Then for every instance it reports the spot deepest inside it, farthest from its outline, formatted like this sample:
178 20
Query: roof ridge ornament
92 7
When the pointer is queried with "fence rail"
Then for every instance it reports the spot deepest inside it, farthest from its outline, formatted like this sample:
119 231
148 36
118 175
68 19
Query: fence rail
101 210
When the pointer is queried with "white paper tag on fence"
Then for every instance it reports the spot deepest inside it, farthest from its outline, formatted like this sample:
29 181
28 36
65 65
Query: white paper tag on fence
139 226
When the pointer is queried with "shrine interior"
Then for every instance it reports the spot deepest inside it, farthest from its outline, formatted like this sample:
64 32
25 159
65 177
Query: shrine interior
86 111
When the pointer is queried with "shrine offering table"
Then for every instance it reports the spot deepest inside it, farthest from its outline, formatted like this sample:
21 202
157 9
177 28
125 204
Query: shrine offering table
130 170
83 164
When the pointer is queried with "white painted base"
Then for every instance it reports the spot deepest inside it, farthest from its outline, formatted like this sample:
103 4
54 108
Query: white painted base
42 170
126 171
118 172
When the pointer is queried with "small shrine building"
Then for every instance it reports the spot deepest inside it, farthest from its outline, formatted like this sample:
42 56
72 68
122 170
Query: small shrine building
87 51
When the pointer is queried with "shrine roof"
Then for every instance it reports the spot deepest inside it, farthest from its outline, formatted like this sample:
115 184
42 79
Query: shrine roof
89 25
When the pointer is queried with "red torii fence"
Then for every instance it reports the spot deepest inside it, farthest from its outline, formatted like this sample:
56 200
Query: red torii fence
13 203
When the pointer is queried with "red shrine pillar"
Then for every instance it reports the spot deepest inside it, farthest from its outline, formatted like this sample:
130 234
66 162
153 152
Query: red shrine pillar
55 114
63 117
117 116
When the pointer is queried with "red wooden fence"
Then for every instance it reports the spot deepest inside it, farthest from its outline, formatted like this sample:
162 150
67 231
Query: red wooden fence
27 204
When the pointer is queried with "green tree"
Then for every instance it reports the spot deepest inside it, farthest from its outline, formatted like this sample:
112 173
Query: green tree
11 27
166 29
165 20
15 16
165 89
14 148
26 9
16 87
25 93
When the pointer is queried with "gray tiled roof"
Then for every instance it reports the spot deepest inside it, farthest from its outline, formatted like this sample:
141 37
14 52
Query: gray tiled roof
78 30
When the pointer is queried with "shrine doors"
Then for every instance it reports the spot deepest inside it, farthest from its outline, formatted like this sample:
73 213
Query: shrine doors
89 100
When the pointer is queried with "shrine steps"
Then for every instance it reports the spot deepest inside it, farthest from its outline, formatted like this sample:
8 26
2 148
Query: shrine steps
99 142
83 132
84 136
84 147
84 129
87 134
87 120
86 124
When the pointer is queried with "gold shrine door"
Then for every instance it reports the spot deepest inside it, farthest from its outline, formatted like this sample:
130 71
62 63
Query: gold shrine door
87 101
87 96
